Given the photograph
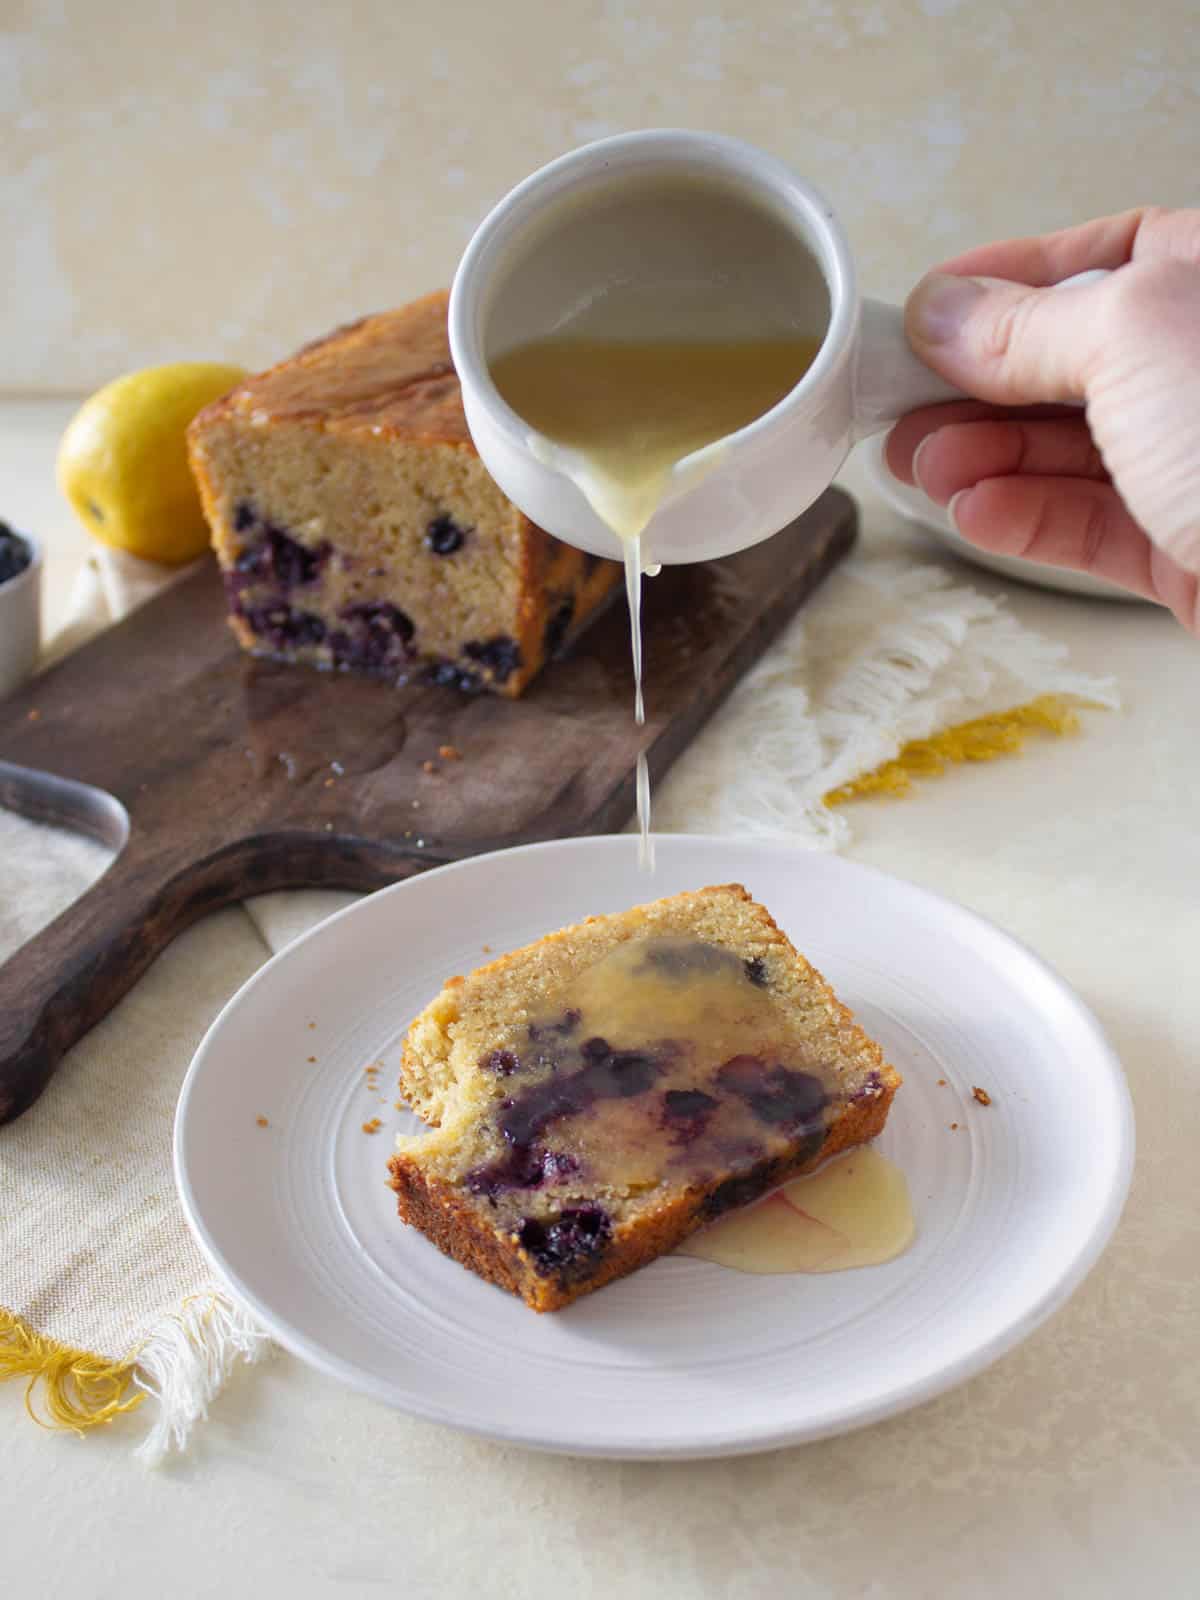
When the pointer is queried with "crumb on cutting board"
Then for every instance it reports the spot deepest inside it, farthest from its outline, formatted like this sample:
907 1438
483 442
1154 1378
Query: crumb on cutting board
449 752
262 1122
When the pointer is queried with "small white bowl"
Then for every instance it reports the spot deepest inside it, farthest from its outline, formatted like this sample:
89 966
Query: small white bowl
20 620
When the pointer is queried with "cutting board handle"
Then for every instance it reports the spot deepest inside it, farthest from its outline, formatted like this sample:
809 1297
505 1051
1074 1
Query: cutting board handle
60 983
69 976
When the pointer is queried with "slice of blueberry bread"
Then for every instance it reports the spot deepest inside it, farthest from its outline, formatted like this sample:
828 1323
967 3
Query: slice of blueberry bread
357 527
598 1095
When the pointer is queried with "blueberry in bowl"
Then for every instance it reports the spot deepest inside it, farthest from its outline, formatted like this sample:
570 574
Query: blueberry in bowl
20 569
16 555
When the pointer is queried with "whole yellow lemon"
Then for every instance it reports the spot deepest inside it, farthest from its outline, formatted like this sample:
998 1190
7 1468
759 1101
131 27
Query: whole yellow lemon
122 462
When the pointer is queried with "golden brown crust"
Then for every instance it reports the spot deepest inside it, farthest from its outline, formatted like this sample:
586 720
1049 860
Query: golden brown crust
387 375
553 575
459 1230
206 482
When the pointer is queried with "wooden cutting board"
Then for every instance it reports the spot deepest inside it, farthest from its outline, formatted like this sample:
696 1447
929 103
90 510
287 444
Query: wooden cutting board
216 776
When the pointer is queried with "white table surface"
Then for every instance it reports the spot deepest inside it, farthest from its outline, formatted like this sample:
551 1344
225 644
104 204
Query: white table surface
1072 1467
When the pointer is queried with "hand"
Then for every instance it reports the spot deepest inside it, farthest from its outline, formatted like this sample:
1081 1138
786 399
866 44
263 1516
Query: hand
1113 490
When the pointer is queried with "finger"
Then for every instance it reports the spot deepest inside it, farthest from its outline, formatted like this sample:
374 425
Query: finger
1176 587
965 453
1145 234
1008 344
1168 235
906 437
1065 522
1041 261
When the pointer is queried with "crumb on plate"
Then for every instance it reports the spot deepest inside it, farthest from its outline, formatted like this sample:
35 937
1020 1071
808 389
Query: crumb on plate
262 1122
373 1125
449 752
982 1096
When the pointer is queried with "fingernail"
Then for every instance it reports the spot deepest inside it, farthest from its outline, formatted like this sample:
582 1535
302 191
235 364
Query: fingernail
916 463
939 305
952 510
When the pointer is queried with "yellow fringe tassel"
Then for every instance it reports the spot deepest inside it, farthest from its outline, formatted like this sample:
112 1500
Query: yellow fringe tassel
983 739
79 1390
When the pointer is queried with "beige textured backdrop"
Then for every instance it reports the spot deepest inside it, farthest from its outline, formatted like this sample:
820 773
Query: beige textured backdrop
235 178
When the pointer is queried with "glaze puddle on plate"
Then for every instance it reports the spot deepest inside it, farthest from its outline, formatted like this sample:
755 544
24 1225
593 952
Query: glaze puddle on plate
854 1212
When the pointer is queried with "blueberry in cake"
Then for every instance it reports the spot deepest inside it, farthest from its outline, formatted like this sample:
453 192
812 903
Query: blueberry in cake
357 528
599 1095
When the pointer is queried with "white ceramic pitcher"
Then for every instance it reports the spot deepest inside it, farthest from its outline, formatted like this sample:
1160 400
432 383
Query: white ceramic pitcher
517 281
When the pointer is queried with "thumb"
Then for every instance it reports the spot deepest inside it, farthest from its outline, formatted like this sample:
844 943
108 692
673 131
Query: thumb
1004 342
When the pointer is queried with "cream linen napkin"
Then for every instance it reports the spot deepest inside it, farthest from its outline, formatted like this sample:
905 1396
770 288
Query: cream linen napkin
108 1300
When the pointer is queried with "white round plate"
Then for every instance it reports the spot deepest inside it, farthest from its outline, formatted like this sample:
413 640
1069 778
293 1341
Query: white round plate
684 1358
918 508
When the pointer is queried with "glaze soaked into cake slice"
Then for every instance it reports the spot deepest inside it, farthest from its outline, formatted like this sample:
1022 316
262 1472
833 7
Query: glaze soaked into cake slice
357 528
597 1096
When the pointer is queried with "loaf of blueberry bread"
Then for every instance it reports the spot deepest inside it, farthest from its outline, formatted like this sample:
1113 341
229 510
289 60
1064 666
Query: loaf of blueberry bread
599 1095
357 528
